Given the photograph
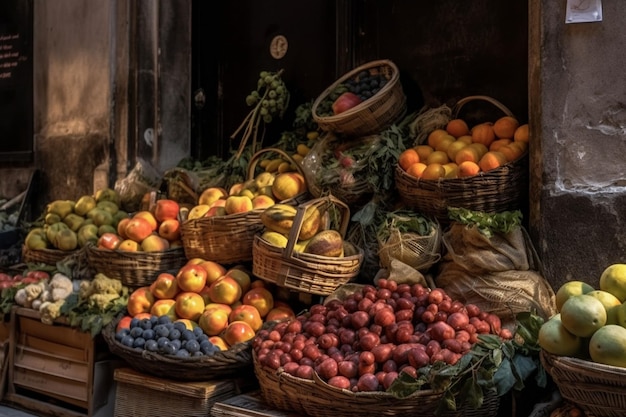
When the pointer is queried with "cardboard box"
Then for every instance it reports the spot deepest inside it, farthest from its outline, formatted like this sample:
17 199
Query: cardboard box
247 405
142 395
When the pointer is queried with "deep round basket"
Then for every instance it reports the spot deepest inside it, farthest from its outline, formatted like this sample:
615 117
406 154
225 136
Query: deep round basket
46 256
237 361
596 388
372 115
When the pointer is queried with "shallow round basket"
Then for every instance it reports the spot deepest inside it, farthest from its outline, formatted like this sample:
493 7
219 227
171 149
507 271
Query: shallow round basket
372 115
228 239
596 388
305 272
501 189
316 398
135 269
45 256
236 361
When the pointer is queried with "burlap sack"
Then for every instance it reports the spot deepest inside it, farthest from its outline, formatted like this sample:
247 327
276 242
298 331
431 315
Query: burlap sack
500 274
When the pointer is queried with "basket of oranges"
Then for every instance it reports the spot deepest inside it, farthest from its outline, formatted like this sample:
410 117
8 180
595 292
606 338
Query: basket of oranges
482 168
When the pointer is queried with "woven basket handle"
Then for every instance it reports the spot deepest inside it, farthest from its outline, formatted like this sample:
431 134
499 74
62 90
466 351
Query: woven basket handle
459 105
326 202
254 160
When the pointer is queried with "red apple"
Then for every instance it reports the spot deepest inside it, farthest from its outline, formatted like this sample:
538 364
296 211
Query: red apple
109 241
191 277
166 209
138 228
170 229
346 101
164 286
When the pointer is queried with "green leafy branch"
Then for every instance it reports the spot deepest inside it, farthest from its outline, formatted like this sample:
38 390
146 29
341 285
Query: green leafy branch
487 223
89 317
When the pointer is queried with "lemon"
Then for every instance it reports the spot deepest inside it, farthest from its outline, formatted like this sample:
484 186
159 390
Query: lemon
583 314
608 345
569 289
556 339
613 280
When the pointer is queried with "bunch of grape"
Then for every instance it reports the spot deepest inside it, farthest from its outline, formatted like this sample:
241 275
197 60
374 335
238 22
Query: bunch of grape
161 335
272 95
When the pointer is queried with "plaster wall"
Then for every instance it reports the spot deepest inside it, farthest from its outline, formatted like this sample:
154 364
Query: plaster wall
578 121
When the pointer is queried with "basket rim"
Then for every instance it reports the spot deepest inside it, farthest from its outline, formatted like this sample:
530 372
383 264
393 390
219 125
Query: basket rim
395 77
590 366
462 102
254 160
138 254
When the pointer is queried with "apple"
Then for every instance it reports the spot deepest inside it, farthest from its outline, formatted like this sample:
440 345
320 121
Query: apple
241 276
149 217
346 101
5 277
191 277
238 204
109 241
189 305
224 307
211 194
247 313
121 227
138 228
198 211
219 342
154 243
237 332
280 313
213 322
225 291
235 189
170 229
189 324
124 323
164 307
216 211
261 298
38 275
164 286
262 201
166 209
219 203
140 301
129 245
214 270
205 294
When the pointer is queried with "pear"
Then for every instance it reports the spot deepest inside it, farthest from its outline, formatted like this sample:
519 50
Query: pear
87 234
84 205
52 218
36 239
108 194
61 207
121 214
53 229
66 240
100 216
106 228
74 221
109 206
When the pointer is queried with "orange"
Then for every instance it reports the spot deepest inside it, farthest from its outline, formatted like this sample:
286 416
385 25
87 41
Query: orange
521 133
444 142
480 148
416 169
423 151
435 136
407 158
467 154
468 169
483 133
492 160
457 128
452 170
505 127
498 143
510 152
467 139
437 157
454 148
434 171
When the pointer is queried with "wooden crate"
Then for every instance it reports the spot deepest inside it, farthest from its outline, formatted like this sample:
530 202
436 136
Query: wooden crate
250 404
142 395
56 369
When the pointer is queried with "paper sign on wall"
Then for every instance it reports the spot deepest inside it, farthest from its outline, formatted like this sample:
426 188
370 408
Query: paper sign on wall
582 11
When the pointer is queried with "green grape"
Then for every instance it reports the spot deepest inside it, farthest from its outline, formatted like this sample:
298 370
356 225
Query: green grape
267 118
268 79
251 100
272 110
275 84
280 90
280 101
265 103
255 94
272 94
259 84
263 111
272 102
263 74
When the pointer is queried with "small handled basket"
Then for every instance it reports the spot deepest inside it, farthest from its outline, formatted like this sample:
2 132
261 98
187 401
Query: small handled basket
501 189
305 272
371 115
228 239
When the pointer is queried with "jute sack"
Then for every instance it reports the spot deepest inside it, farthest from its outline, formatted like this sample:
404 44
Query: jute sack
500 274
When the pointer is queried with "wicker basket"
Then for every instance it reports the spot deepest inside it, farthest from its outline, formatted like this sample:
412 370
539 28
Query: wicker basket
228 239
420 252
596 388
236 361
45 256
372 115
501 189
135 269
305 272
316 398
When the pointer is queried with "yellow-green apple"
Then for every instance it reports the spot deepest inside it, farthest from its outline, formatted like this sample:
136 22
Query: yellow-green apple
237 332
211 194
140 301
235 189
84 204
149 217
164 286
241 276
109 241
166 209
225 291
189 324
216 211
154 243
213 321
109 206
218 203
121 227
264 179
170 229
100 216
195 261
261 298
238 204
164 307
247 313
219 342
189 305
214 270
224 307
287 185
191 277
129 245
138 229
198 211
262 201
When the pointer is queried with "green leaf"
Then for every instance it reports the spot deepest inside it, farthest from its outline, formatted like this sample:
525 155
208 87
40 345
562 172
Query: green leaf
524 366
447 403
473 394
496 356
504 379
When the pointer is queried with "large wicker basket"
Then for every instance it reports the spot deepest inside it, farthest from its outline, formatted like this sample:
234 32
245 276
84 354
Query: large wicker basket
228 239
316 398
501 189
372 115
236 361
305 272
46 256
596 388
135 269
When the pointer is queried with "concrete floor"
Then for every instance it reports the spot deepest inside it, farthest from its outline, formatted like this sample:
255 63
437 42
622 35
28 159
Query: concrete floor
6 411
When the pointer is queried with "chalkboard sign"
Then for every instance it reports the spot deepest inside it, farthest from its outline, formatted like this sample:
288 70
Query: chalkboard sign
16 80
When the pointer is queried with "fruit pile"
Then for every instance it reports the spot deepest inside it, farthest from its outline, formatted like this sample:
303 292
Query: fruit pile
591 323
458 151
363 343
352 92
225 305
68 224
